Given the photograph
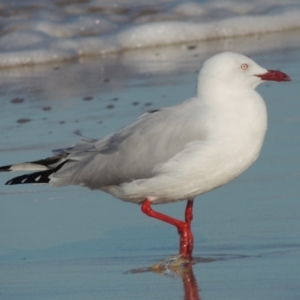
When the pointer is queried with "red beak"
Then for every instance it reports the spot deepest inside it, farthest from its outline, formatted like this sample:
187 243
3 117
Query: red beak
273 75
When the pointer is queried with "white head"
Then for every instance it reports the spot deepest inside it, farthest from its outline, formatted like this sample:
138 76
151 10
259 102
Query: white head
236 70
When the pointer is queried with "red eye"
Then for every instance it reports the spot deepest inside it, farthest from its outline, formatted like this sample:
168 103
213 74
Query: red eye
244 66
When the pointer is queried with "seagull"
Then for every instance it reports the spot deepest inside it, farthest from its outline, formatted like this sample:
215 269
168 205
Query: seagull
175 153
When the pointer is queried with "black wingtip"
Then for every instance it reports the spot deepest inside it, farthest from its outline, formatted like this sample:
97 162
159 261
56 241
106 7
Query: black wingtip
37 177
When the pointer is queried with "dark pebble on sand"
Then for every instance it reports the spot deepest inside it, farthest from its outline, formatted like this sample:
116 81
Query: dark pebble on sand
148 104
110 106
23 120
88 98
192 47
114 99
62 122
17 100
46 108
135 103
106 80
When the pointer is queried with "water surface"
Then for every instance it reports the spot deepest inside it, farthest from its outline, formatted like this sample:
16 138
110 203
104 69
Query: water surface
72 243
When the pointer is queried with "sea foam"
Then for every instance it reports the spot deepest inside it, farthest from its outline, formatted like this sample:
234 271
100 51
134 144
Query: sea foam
43 31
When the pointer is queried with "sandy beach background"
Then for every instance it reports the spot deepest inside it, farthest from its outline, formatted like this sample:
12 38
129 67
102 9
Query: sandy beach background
72 243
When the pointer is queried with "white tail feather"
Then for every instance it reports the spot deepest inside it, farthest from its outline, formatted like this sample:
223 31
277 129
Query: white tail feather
28 167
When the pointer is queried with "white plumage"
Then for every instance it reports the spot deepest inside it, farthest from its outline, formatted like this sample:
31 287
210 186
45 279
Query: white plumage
178 152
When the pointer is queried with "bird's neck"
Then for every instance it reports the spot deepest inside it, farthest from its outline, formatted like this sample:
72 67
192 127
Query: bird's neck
235 113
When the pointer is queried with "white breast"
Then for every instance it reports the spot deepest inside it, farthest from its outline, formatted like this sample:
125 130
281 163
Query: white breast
236 133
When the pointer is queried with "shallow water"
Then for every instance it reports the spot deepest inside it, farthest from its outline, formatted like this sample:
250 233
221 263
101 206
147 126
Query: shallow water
72 243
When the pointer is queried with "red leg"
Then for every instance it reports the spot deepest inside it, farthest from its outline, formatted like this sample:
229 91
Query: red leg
188 220
184 228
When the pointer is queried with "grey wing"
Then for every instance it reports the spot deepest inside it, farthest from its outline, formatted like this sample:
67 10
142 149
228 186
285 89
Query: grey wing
131 153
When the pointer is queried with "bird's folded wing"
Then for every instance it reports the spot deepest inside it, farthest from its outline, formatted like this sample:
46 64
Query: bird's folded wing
131 153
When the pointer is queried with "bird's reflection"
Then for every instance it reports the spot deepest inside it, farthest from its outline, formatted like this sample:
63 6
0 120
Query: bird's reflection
180 268
175 266
190 285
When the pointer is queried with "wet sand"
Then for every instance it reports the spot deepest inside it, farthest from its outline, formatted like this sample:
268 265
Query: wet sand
72 243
